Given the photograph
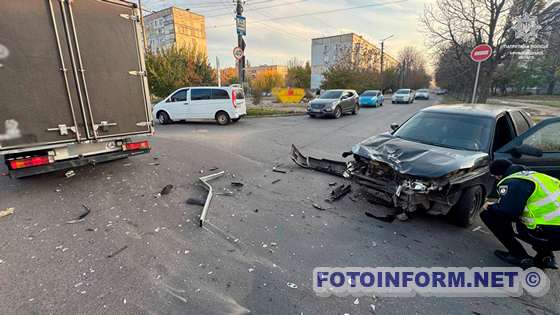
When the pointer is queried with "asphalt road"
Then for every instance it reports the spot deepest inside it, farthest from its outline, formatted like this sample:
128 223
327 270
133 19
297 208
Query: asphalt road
138 253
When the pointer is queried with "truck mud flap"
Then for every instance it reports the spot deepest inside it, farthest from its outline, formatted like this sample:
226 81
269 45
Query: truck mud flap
337 168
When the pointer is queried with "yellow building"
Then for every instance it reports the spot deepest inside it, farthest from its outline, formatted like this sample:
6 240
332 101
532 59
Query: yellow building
175 26
251 72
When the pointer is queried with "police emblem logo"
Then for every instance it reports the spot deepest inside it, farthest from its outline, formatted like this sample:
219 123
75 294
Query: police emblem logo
502 190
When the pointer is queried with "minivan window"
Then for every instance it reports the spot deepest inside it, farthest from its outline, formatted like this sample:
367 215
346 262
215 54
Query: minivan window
219 94
180 96
239 94
200 94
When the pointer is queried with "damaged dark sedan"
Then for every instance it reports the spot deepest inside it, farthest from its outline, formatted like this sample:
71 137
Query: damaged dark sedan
437 161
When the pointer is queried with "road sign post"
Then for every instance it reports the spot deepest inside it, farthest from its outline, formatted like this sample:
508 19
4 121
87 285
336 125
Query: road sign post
479 54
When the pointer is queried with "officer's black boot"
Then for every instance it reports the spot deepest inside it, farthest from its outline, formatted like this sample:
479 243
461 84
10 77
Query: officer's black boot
545 260
524 262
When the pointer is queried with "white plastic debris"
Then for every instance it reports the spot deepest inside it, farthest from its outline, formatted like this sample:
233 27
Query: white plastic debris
372 308
251 269
70 173
356 301
292 285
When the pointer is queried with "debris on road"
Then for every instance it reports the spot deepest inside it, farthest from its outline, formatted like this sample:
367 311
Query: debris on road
402 216
356 301
213 169
332 184
117 252
337 168
226 192
166 190
388 218
82 216
276 181
277 169
237 184
70 173
195 201
479 229
292 285
318 207
372 308
205 181
340 192
7 212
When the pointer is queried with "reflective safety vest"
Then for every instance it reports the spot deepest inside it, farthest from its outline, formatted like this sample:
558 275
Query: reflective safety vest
543 207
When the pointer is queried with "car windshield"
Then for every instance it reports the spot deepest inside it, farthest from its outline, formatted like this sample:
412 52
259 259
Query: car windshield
370 93
423 91
463 132
331 95
403 92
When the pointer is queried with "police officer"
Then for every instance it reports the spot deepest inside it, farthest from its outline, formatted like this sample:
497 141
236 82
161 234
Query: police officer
530 201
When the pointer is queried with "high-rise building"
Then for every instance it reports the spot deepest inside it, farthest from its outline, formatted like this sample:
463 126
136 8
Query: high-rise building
347 48
175 26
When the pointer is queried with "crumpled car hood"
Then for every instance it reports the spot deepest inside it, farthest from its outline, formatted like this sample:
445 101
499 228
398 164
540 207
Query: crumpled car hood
417 159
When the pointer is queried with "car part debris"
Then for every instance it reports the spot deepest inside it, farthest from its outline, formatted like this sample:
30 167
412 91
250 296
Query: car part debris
402 217
340 192
337 168
318 207
7 212
113 254
388 218
195 201
226 192
333 184
82 216
277 169
205 181
166 190
479 229
70 173
276 181
292 285
237 184
213 169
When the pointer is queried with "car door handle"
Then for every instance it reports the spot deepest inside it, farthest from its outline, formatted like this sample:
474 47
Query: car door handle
186 103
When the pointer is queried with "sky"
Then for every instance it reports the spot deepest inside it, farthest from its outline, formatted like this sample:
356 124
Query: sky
275 33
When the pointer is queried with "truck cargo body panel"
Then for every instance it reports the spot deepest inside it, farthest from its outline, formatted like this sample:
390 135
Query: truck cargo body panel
74 72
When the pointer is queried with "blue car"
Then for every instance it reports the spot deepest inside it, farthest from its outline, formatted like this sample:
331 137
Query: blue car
372 98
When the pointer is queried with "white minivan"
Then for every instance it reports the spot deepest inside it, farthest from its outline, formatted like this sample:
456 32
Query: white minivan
223 104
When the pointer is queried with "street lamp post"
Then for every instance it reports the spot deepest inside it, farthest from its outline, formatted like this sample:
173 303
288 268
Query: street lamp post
383 61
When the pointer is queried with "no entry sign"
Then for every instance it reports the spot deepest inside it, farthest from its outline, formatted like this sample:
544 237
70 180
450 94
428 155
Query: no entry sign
481 53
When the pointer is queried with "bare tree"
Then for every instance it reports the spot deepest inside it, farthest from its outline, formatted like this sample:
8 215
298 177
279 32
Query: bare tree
413 68
455 26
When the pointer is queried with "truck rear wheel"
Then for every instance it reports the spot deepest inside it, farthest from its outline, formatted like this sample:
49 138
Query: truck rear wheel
468 206
163 118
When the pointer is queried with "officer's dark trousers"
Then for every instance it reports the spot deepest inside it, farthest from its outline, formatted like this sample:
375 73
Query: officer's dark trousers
544 239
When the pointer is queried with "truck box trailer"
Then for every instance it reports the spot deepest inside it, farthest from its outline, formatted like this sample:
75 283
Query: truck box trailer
73 86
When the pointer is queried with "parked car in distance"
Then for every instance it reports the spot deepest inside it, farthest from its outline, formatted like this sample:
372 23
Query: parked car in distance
441 91
422 94
334 103
223 104
372 98
403 96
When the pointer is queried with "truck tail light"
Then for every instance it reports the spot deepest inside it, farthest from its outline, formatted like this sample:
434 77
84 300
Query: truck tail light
30 162
233 98
142 145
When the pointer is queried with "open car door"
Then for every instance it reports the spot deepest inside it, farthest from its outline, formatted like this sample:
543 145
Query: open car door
538 148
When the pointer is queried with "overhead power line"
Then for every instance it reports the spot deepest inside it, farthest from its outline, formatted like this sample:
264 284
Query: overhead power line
261 8
318 12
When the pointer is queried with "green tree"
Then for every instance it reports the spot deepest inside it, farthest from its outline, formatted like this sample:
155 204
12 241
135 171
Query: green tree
344 76
173 68
298 76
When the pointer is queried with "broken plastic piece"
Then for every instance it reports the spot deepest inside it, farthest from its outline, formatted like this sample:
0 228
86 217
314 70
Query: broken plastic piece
117 252
292 285
279 170
402 216
7 212
166 190
337 168
276 181
388 218
340 191
237 184
70 173
318 207
195 201
82 216
205 181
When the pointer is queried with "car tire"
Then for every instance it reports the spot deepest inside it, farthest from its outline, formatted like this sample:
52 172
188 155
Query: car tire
393 102
356 109
465 210
311 116
163 118
337 112
222 118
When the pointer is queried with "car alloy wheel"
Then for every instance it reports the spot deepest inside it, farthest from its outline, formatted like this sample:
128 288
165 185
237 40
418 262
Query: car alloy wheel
337 112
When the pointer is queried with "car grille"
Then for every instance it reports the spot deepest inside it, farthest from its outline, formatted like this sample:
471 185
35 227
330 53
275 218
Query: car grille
317 106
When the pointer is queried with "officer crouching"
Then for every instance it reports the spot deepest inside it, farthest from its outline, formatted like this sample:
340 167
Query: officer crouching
530 201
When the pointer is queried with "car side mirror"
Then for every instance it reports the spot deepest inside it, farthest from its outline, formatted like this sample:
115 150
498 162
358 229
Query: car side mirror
394 126
519 151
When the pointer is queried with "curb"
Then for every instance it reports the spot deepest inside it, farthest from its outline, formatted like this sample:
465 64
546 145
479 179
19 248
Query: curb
277 115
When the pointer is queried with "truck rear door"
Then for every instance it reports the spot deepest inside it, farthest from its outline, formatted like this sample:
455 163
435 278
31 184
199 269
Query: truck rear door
107 37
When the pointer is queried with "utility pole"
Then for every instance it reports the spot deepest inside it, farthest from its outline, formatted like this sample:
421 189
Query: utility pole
383 62
219 72
240 44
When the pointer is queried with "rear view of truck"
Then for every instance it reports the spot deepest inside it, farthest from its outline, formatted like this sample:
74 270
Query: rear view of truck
73 89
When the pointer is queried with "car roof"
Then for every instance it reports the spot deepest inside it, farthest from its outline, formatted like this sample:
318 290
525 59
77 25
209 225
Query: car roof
484 110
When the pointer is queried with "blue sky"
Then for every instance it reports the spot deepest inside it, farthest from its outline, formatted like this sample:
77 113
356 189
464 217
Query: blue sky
276 41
